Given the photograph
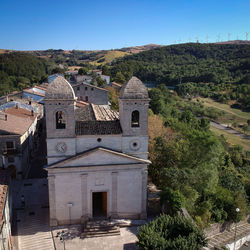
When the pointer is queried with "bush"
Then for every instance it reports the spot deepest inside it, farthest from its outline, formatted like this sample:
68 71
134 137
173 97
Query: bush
172 199
168 233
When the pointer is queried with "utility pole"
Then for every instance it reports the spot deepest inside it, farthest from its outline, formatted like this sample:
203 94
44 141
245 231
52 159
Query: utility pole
228 36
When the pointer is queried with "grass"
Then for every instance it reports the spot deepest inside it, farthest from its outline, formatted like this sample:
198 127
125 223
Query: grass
109 57
230 115
225 107
232 139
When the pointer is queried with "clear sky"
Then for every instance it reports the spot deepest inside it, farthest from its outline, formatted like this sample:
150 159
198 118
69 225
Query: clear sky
100 24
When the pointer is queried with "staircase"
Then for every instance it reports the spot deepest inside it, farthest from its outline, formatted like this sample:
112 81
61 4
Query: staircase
100 228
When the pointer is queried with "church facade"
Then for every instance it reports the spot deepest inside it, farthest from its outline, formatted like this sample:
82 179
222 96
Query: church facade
97 158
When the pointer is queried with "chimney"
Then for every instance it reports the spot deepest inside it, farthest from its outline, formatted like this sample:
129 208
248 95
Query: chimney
16 105
32 112
6 117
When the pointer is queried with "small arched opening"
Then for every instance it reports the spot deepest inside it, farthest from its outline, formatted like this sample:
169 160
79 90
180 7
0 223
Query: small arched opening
60 120
135 118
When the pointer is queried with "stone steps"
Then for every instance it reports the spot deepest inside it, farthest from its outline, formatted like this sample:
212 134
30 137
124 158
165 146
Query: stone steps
100 229
219 240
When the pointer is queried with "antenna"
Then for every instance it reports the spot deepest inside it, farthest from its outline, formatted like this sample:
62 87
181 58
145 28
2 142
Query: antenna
179 41
228 36
206 38
197 39
247 36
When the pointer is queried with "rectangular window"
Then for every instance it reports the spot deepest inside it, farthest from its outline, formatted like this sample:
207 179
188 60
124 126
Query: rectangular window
10 145
86 98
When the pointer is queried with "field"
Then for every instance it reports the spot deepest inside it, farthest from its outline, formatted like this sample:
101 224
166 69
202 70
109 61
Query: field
232 117
109 57
232 139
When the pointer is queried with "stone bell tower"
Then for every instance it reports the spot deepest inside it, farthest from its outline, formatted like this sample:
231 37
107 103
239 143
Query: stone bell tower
133 113
60 119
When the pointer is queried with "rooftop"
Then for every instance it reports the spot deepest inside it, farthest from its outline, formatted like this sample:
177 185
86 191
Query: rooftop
18 121
60 88
97 119
134 89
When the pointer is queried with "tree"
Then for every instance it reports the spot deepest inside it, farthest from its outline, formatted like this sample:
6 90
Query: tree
119 77
83 71
168 233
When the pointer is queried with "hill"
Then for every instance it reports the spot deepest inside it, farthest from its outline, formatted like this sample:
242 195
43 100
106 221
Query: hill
192 62
78 57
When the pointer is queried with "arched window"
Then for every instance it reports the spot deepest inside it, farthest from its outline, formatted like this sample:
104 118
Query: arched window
135 117
60 120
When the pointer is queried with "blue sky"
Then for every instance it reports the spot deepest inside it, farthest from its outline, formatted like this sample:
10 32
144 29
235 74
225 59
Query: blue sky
34 25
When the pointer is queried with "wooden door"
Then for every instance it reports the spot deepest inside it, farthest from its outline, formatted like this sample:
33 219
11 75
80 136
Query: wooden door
104 203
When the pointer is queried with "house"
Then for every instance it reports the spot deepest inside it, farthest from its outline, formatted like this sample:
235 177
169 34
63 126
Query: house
90 93
35 93
96 158
5 210
17 129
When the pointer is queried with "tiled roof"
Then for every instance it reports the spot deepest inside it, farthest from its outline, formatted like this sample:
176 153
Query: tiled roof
18 121
97 119
4 181
98 127
134 89
80 104
104 113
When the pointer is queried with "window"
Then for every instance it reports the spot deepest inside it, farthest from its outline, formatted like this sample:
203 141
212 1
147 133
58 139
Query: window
86 88
10 145
92 89
135 119
78 88
60 120
99 139
86 98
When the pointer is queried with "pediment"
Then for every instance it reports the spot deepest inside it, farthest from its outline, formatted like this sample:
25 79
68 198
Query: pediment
98 157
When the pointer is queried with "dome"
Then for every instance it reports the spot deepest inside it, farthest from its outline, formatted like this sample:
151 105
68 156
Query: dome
60 88
134 89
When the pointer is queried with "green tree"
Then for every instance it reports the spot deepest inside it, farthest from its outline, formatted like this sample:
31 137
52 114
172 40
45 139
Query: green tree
168 233
83 71
119 77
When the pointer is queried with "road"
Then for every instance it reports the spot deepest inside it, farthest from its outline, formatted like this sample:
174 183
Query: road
229 130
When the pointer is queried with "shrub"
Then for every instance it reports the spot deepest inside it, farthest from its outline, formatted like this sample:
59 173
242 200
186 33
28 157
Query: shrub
168 233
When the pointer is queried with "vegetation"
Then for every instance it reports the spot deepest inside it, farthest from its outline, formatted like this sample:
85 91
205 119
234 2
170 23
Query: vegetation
220 71
189 161
167 233
18 70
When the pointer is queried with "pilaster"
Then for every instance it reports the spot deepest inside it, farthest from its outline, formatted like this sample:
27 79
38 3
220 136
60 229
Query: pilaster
52 200
114 195
84 195
144 174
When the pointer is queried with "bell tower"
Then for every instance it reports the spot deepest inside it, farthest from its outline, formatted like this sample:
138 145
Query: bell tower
60 119
133 112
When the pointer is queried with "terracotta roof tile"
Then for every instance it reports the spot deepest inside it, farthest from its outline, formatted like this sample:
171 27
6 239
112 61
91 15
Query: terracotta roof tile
18 121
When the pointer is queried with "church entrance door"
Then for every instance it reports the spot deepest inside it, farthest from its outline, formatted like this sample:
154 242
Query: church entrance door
99 202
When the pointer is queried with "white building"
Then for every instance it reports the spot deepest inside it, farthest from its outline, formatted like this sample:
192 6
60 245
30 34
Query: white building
97 158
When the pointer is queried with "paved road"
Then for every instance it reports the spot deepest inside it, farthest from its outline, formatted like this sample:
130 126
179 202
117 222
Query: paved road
33 231
229 130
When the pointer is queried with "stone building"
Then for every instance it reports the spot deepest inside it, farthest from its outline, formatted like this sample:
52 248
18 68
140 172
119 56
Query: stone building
17 129
97 158
90 93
